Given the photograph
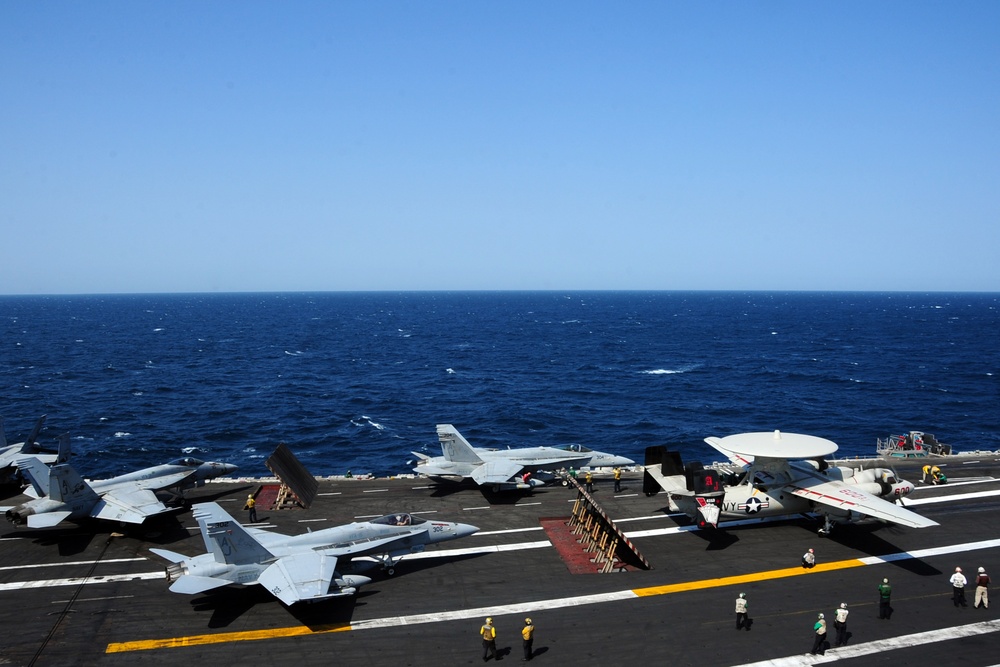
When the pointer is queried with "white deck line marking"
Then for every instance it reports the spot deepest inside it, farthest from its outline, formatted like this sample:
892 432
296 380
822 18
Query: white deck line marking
628 495
331 493
425 512
525 504
509 530
893 643
76 581
367 516
948 499
374 490
469 509
421 488
72 562
499 610
311 520
108 597
964 481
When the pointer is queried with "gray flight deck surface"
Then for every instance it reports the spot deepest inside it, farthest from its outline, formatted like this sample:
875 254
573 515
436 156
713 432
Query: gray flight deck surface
65 600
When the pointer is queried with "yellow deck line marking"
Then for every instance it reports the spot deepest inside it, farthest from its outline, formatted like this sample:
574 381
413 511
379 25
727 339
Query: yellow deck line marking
222 638
747 578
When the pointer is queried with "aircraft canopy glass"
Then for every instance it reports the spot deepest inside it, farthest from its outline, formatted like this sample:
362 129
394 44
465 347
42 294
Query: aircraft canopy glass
187 461
401 519
574 448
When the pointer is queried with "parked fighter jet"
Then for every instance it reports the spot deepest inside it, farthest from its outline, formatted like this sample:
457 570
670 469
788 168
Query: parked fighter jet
298 568
10 453
62 494
503 469
777 474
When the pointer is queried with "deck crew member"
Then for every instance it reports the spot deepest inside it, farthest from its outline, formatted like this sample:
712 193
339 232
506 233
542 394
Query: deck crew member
489 635
958 582
840 622
742 609
819 630
527 637
809 559
982 592
589 480
252 507
884 594
618 479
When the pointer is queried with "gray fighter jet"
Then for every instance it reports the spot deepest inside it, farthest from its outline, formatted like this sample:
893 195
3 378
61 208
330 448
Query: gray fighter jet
9 454
298 568
61 494
503 469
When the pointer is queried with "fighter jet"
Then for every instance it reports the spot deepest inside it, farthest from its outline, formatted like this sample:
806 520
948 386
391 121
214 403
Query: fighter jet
298 568
61 494
778 474
10 453
503 469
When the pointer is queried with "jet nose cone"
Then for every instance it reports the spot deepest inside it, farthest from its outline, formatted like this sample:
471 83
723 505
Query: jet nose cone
464 530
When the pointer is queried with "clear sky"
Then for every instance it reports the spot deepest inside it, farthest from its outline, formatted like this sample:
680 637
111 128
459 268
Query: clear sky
516 144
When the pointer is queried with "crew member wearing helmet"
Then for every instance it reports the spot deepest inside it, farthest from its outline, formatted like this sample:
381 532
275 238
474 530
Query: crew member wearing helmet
982 592
809 559
840 622
958 582
819 629
884 595
742 609
252 507
489 635
527 636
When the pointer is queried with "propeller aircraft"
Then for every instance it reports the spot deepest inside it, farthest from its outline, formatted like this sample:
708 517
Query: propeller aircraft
778 474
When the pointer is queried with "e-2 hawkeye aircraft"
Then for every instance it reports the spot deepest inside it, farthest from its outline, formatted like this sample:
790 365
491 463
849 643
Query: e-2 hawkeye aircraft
778 474
503 469
60 493
298 568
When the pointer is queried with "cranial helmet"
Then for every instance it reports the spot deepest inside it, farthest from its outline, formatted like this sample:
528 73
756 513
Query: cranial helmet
981 570
743 595
527 621
958 569
843 605
489 619
821 616
885 581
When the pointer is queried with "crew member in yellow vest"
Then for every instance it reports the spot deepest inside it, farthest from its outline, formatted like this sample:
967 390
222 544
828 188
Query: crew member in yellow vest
589 480
252 507
618 479
489 635
528 635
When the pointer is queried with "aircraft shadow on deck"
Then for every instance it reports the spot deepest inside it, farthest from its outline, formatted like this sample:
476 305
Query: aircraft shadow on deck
869 538
230 604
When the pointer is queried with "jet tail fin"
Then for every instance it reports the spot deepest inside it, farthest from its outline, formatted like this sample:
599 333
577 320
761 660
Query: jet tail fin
29 446
226 539
37 474
454 447
66 485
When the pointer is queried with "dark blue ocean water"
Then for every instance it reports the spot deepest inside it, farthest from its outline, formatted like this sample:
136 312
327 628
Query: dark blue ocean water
356 381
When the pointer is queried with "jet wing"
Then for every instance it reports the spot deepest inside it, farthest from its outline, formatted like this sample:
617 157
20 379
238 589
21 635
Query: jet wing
670 483
496 472
299 577
130 506
847 497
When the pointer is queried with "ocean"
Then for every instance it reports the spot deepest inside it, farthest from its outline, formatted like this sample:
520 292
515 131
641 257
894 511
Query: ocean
356 381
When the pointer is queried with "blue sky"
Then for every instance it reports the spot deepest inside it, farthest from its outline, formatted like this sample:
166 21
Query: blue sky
263 146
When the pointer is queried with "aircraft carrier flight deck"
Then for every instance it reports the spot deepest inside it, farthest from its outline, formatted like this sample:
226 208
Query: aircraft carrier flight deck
93 596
